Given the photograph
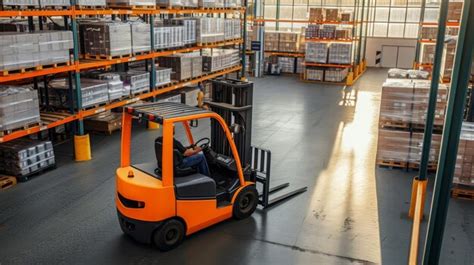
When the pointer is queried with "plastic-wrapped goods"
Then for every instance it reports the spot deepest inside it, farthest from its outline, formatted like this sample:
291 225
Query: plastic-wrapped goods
18 107
464 170
272 39
420 99
340 53
218 59
115 85
316 52
93 92
189 28
314 74
168 37
177 3
233 3
26 50
327 32
135 81
287 64
107 38
211 3
397 73
393 146
180 64
335 74
418 74
288 41
23 157
312 31
140 37
332 14
46 3
147 3
232 29
91 3
22 3
210 30
317 14
299 65
163 76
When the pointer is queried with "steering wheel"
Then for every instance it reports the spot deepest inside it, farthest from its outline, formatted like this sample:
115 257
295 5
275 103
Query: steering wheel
204 145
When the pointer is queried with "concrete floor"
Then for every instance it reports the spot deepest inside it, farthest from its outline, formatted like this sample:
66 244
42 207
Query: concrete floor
323 137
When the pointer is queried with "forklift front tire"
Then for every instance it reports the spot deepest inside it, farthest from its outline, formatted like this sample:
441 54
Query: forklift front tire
169 235
245 203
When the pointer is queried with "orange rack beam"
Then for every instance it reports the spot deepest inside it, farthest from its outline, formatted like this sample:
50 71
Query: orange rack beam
86 113
328 65
448 24
89 63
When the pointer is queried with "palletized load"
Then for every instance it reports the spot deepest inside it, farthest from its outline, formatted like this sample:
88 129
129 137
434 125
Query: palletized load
211 3
135 81
27 50
177 3
115 85
140 37
22 3
218 59
232 29
181 66
91 2
340 53
233 3
163 76
189 28
131 3
107 38
168 37
316 52
287 64
46 3
335 74
93 92
314 74
23 157
209 30
288 41
18 107
464 170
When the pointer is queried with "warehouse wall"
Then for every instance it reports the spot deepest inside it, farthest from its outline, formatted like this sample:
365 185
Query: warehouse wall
375 44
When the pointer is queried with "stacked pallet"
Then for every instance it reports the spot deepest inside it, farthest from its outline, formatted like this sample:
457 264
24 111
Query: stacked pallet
93 92
210 30
282 41
340 53
403 109
316 52
24 157
218 59
106 38
18 107
28 50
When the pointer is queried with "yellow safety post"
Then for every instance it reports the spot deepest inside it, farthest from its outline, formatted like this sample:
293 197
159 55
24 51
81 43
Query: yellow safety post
200 99
350 79
82 148
414 197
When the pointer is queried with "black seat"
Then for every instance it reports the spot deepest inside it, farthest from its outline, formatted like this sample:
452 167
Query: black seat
177 160
195 186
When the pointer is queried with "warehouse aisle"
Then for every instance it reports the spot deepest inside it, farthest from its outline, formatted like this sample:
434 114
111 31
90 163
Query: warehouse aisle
323 137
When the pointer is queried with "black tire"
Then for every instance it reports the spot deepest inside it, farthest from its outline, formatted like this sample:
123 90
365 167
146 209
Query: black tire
245 203
169 235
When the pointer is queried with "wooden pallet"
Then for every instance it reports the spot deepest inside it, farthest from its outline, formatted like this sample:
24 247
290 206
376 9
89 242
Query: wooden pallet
7 182
394 125
106 123
35 173
462 192
24 127
105 57
432 167
391 164
35 68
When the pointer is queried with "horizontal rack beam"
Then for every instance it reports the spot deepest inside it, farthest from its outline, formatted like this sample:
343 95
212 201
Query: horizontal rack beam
328 65
90 12
330 40
90 64
86 113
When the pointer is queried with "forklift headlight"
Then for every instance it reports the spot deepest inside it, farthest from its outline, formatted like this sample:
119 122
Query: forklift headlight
130 203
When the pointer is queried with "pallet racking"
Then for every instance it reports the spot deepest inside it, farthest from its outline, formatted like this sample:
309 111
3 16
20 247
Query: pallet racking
52 118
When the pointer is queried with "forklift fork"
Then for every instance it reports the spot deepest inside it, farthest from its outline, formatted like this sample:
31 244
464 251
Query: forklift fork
261 163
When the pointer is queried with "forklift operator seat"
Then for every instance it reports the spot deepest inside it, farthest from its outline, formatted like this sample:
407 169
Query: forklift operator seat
177 160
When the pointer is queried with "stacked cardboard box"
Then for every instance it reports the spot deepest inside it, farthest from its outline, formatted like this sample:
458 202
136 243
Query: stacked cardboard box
218 59
346 16
107 38
115 85
210 29
335 74
23 157
464 170
232 3
180 64
332 14
317 14
428 53
163 76
299 65
189 28
340 53
232 29
314 74
312 31
168 37
448 60
105 122
101 3
26 50
327 32
177 3
271 40
455 11
135 81
18 107
316 52
140 36
211 3
343 34
93 92
288 41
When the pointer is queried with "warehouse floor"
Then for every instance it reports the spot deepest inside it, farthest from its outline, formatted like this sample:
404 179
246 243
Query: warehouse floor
323 137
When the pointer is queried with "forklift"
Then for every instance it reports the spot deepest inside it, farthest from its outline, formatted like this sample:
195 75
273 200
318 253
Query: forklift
161 202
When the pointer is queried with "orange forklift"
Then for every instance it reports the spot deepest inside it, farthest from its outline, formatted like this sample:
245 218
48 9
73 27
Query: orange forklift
161 202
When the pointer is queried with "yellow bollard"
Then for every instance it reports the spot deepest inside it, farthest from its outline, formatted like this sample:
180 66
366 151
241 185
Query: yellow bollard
414 188
350 79
82 148
153 125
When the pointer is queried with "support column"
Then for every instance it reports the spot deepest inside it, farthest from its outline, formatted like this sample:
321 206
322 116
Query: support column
152 125
418 43
451 132
82 148
244 36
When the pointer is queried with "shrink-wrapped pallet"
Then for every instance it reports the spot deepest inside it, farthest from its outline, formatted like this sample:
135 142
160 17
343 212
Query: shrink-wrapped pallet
114 85
210 30
131 3
51 3
23 157
180 64
177 3
140 37
233 3
340 53
464 170
314 74
91 3
93 92
168 37
218 59
18 107
316 52
163 76
27 50
287 64
19 3
107 38
211 3
232 29
189 29
335 74
135 81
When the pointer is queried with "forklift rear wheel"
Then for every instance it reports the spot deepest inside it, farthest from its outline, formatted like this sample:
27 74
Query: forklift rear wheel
169 235
245 203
